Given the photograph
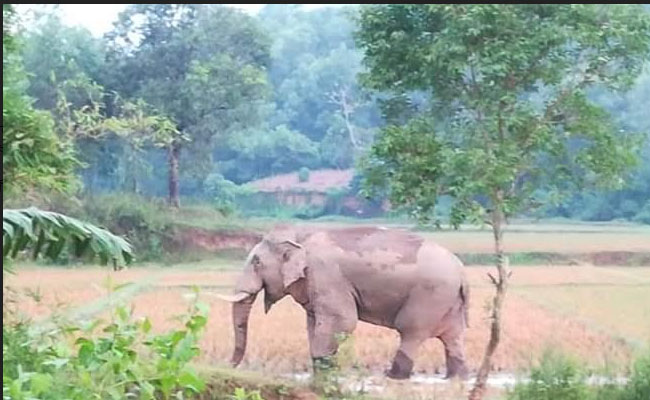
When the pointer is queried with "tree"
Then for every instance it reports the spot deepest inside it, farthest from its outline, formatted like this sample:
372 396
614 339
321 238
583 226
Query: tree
203 66
262 152
631 202
33 155
511 114
313 73
54 53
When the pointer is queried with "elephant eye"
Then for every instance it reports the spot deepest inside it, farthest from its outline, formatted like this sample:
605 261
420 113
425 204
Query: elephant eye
286 255
256 261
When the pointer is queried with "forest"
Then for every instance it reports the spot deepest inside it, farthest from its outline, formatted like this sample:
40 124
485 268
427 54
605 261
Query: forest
231 98
359 159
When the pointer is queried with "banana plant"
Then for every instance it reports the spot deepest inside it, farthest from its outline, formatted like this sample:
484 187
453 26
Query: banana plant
47 233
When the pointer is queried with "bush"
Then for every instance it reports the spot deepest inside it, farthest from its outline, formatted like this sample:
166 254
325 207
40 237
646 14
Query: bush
224 193
144 222
556 377
644 214
638 387
303 174
124 361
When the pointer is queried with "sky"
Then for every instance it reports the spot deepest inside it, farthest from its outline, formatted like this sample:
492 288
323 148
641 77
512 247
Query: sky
98 18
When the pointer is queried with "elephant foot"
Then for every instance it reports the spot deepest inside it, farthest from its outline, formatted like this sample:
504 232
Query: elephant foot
401 368
323 364
456 369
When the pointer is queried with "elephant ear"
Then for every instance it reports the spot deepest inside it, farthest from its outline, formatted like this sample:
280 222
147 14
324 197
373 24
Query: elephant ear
294 262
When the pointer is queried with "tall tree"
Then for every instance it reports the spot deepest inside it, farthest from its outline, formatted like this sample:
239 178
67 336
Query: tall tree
511 113
54 53
313 72
201 65
33 155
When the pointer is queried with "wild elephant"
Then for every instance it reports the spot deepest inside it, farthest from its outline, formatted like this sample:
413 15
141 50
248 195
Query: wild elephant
339 276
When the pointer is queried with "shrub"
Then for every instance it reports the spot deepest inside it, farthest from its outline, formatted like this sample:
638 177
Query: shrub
303 174
124 361
556 377
638 387
143 221
644 214
224 193
242 394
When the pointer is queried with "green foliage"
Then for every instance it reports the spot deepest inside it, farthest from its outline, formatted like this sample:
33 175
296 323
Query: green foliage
125 359
410 160
509 100
242 394
313 72
48 233
204 69
644 214
33 156
54 52
303 174
556 377
638 387
141 221
266 152
224 193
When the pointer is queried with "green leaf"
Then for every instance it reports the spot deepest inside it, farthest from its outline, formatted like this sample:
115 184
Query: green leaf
146 325
55 230
40 383
190 380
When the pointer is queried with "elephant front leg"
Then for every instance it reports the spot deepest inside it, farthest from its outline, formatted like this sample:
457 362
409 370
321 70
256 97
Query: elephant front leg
324 333
320 362
403 362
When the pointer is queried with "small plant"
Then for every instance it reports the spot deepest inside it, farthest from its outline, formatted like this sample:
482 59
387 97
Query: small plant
303 174
125 360
556 377
328 374
638 387
242 394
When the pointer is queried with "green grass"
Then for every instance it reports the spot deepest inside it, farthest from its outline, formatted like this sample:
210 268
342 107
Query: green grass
222 382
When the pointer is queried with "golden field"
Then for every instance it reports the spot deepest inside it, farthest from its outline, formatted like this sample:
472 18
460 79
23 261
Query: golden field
597 314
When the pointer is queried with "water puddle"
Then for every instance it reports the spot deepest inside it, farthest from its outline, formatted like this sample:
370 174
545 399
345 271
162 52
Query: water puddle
377 383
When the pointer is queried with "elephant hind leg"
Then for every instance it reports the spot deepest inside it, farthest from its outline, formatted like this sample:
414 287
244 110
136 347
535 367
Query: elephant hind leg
421 317
403 362
453 340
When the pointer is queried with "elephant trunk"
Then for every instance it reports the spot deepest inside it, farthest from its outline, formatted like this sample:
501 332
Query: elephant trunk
246 290
240 312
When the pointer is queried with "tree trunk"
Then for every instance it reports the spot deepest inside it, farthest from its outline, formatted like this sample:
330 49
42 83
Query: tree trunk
501 284
172 153
341 98
134 185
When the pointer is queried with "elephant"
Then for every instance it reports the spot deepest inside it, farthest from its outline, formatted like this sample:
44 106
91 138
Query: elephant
386 277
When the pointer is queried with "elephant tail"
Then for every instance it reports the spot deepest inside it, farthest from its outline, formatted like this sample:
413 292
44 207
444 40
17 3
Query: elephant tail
464 296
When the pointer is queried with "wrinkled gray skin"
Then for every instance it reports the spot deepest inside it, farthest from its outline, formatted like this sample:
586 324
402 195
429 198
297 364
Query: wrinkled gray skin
339 276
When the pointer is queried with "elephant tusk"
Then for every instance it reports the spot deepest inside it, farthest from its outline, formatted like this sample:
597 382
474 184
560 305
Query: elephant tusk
291 242
233 298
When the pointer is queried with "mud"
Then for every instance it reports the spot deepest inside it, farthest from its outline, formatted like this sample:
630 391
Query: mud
377 383
213 241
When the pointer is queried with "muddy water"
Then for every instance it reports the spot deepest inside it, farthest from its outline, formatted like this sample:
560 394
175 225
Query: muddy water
377 383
